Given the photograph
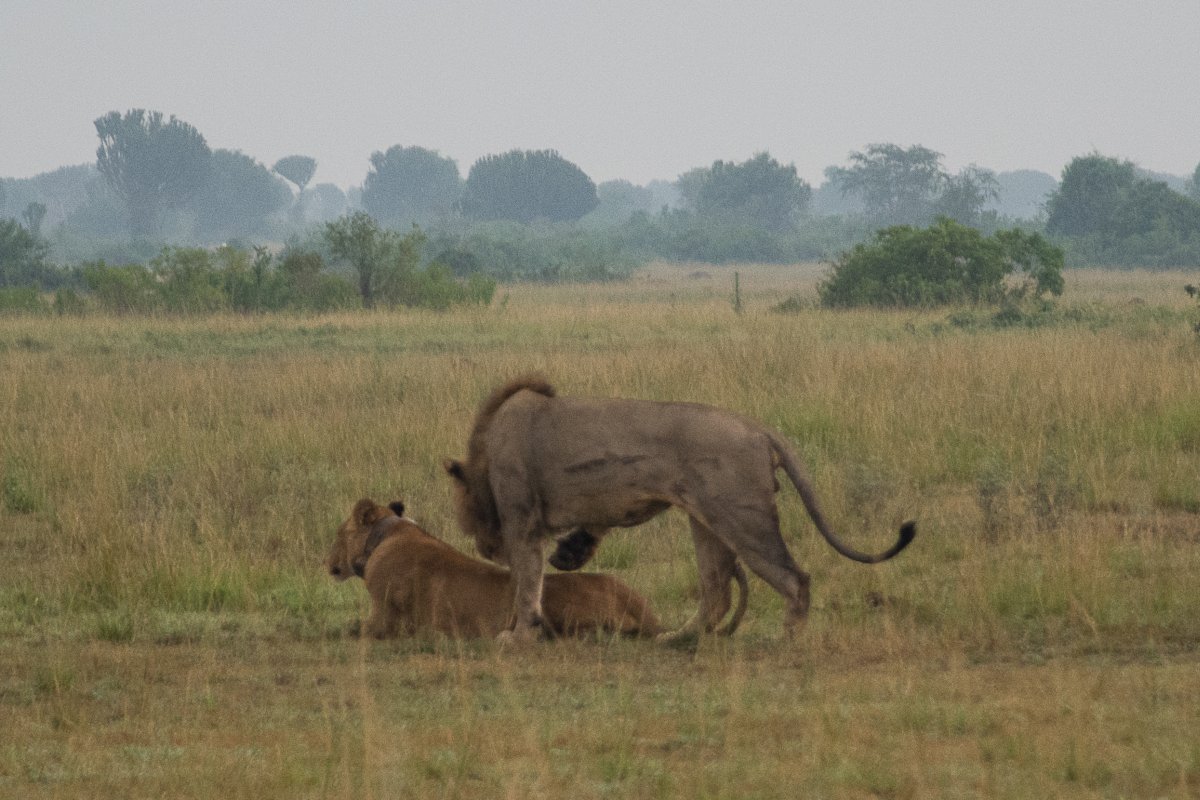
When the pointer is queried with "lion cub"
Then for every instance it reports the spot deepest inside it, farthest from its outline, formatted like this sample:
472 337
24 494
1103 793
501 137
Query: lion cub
419 583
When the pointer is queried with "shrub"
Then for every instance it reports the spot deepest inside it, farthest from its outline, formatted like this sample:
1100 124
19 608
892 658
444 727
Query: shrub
69 301
22 255
943 264
22 299
189 281
127 289
305 286
508 251
1194 293
436 287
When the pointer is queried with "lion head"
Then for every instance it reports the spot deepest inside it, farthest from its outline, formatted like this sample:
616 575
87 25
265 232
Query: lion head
347 556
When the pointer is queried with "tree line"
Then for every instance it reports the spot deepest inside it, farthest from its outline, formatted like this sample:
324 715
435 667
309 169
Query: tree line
534 215
354 264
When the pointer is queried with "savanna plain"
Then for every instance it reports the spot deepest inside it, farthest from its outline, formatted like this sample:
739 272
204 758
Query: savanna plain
169 488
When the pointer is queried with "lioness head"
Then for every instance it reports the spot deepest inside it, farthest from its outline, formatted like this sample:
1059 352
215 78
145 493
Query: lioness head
346 558
476 510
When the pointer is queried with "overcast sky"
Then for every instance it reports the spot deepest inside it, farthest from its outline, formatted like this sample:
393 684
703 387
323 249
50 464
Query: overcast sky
637 90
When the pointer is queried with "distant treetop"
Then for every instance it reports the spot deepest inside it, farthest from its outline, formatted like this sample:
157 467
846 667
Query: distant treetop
297 169
527 185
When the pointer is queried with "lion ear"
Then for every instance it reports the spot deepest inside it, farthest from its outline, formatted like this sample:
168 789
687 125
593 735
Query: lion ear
397 507
455 470
364 511
367 512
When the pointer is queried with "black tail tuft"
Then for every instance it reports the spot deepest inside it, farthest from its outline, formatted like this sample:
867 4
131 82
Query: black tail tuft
907 531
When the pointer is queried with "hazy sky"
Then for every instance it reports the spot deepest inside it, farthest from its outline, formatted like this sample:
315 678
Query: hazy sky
637 90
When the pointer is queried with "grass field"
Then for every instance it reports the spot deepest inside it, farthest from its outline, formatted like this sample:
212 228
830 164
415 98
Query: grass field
169 487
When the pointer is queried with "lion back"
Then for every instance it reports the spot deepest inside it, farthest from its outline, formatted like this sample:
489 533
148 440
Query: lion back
498 397
575 603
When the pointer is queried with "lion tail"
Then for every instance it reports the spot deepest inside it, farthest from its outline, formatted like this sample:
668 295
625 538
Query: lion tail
739 575
799 477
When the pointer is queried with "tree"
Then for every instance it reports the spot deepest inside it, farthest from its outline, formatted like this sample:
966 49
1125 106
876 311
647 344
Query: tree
1107 198
1152 205
1090 196
22 256
324 202
297 169
388 267
1193 186
525 185
150 164
945 263
33 215
238 197
618 200
379 257
759 192
689 185
896 185
965 195
410 185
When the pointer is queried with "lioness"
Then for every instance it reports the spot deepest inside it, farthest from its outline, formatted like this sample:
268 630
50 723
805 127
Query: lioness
540 466
419 583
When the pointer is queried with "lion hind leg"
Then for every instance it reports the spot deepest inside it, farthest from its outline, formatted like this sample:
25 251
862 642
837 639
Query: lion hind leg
716 563
752 531
775 566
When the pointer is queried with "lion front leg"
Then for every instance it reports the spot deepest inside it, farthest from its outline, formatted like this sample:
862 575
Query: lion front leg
383 621
525 565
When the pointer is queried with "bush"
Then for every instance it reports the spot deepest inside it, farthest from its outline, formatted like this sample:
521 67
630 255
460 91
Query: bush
943 264
22 256
686 236
305 286
436 287
509 251
1158 249
22 299
189 282
128 289
195 281
69 301
1194 292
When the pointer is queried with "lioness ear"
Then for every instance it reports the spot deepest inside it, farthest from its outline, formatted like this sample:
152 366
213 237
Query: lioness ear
397 507
455 470
363 511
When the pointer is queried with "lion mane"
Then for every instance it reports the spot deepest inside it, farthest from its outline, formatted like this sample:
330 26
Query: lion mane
476 507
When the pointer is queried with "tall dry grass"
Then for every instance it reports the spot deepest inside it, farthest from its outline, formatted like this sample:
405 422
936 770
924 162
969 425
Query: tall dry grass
168 488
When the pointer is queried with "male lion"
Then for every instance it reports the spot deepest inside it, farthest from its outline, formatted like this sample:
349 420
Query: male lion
419 583
541 466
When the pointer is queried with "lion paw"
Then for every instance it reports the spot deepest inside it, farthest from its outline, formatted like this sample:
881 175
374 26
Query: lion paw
517 637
